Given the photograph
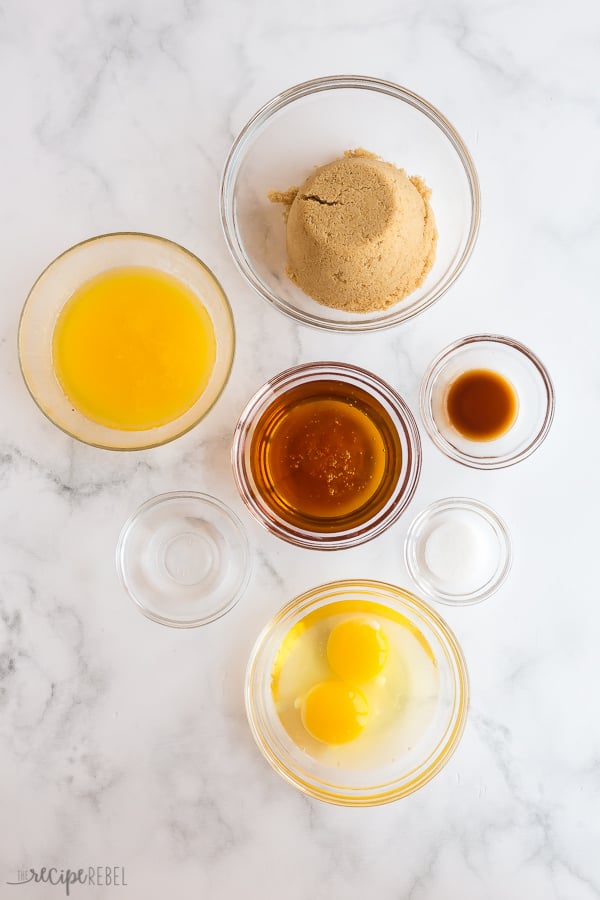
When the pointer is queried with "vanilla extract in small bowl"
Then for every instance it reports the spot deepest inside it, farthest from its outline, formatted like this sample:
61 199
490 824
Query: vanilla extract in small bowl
326 455
481 404
487 401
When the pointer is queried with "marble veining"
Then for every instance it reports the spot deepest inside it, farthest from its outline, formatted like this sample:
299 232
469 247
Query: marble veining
125 744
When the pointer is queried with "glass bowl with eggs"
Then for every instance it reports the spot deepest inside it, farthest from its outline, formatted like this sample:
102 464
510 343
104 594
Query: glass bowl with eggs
357 693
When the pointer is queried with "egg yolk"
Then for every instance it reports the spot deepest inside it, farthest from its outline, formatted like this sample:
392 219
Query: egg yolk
334 713
357 650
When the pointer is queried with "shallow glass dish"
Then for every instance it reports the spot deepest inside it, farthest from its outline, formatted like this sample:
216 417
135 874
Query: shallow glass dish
314 123
515 363
491 546
407 768
56 285
184 559
403 454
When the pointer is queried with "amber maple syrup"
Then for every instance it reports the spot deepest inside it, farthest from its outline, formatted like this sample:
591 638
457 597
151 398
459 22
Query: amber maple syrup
481 404
325 456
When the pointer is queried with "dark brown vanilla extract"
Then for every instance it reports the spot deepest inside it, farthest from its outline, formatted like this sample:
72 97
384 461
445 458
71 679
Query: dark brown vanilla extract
481 404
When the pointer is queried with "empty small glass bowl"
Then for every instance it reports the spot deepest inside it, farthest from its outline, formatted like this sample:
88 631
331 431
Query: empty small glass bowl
314 123
404 765
515 363
56 285
385 410
458 551
184 559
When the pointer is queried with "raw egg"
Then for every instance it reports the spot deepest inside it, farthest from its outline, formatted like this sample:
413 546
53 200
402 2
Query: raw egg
334 712
357 650
355 684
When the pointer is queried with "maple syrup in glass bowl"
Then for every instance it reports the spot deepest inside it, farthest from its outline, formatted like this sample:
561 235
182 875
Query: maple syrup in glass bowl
326 455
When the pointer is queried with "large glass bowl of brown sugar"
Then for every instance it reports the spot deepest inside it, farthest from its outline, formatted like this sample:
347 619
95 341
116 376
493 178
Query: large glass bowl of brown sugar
376 206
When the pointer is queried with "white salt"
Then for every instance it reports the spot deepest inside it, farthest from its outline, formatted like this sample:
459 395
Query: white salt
460 552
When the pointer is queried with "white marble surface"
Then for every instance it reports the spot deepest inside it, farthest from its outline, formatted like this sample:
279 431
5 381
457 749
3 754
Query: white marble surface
124 743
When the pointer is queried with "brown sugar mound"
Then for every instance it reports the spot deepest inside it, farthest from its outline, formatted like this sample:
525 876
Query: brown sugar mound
361 234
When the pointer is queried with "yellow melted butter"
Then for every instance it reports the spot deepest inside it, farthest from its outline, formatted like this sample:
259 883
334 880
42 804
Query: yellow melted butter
133 348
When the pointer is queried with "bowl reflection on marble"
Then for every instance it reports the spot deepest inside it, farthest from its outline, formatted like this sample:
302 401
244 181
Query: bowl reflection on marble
314 123
80 265
411 737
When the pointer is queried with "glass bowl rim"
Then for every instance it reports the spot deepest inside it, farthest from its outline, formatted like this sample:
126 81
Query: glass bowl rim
474 462
205 500
394 594
496 522
308 88
151 238
370 529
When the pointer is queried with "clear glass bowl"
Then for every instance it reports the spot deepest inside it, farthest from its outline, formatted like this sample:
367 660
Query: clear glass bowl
491 546
408 458
56 285
406 770
184 559
518 365
314 123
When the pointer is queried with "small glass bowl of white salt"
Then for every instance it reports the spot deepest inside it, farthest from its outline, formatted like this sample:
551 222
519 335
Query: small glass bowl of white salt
458 551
